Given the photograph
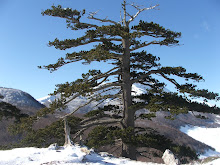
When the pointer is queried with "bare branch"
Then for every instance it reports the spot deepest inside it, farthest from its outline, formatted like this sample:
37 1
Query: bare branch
121 18
139 11
91 16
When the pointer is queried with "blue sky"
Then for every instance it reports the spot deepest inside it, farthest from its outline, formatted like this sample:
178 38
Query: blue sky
24 34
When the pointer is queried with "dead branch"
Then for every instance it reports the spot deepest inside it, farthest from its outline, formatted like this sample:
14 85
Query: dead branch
91 16
139 11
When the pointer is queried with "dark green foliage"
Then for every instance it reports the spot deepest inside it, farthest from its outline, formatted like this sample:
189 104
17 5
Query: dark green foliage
25 125
119 43
101 111
103 135
5 147
9 111
53 133
155 30
148 116
175 104
98 112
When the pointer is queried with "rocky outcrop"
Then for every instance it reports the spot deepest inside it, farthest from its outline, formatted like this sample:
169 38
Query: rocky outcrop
169 158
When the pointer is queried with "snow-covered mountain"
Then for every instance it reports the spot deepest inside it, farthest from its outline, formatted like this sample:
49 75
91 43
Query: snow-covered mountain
20 99
47 100
137 89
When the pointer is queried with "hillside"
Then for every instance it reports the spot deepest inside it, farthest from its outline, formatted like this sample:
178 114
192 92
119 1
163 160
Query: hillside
20 99
168 128
24 102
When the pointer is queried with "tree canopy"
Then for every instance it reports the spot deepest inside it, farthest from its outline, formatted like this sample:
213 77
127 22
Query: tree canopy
124 46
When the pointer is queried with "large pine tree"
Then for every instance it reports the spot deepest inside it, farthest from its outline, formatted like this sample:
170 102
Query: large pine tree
123 46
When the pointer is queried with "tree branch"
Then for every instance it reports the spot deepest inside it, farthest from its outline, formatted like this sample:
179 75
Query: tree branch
98 19
79 133
145 75
99 122
94 118
145 44
94 98
170 80
106 74
139 11
69 114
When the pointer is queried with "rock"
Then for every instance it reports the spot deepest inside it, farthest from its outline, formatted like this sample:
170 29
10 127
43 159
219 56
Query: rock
169 158
85 150
53 147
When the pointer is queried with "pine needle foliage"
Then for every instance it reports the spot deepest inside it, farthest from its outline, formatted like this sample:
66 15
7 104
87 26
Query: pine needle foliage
8 111
123 46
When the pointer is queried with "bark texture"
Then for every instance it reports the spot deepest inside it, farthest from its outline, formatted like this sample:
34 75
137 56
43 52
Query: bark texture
128 150
67 133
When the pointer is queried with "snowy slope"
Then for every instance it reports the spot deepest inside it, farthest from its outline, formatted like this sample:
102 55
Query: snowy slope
70 155
20 99
64 155
209 136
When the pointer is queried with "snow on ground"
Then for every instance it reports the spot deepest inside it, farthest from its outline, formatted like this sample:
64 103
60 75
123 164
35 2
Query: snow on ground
71 155
76 155
215 162
209 136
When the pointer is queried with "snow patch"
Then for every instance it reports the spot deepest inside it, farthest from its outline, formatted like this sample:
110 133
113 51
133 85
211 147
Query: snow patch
64 155
209 136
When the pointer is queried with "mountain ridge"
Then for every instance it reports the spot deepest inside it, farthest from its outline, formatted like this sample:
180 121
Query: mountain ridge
22 100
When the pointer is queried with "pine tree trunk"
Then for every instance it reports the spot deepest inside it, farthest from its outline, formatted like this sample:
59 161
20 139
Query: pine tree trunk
128 150
67 133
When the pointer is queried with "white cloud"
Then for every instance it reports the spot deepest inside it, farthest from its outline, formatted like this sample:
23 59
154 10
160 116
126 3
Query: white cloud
206 25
